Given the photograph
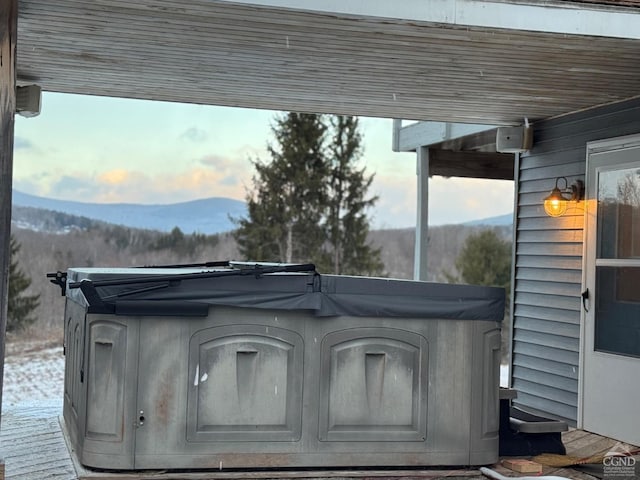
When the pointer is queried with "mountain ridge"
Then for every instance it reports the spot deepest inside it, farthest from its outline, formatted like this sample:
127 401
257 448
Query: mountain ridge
207 216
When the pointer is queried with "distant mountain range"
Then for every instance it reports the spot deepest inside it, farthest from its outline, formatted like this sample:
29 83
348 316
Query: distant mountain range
208 216
499 221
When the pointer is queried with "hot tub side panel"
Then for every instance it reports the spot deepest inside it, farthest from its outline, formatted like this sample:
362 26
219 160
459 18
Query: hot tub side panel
426 402
373 385
244 388
256 388
226 388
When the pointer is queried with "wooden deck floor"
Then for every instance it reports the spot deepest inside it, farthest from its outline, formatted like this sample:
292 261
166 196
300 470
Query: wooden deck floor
34 448
32 443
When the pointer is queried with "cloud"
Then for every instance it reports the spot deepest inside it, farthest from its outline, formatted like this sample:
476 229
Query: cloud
27 185
396 206
134 186
230 180
194 134
217 161
116 177
457 200
72 188
21 143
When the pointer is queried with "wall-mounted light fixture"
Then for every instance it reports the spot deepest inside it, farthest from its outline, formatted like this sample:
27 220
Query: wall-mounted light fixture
555 205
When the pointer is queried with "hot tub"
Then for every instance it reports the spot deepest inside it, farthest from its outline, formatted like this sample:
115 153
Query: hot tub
272 367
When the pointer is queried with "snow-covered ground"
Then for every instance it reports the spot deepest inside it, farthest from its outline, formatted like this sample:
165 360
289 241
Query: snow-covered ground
33 375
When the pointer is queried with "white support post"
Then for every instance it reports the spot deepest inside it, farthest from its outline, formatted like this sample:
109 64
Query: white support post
395 138
422 221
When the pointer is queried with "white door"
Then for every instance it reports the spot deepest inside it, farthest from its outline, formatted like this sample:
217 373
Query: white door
611 315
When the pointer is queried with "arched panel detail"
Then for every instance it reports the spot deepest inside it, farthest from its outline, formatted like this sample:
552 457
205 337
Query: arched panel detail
245 384
373 385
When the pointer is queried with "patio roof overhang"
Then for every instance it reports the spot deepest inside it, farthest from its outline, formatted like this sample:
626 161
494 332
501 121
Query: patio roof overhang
446 60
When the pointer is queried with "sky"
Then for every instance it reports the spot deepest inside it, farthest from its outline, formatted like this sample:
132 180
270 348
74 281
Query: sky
111 150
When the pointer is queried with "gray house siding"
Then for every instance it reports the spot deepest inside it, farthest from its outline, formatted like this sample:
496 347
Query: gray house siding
548 259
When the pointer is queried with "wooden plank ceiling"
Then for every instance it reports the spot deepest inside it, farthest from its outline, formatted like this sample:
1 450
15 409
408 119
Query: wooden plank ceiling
210 52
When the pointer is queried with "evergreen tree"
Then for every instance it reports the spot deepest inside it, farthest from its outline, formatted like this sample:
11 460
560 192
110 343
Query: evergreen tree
20 306
287 205
347 221
309 202
485 259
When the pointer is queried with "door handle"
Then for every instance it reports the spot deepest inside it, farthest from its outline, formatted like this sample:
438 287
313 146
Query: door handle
585 299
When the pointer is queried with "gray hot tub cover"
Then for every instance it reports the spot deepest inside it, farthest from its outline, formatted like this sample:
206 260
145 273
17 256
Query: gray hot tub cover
323 295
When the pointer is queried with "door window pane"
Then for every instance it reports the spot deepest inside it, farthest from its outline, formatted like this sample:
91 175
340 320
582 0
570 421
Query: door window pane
617 315
619 214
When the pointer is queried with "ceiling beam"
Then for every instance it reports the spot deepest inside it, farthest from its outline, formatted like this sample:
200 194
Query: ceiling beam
555 16
478 142
449 163
420 134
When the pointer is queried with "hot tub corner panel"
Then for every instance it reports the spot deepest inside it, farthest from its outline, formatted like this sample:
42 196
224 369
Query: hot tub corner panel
485 385
98 406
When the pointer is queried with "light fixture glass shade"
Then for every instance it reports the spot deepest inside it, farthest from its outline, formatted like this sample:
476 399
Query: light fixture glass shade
555 205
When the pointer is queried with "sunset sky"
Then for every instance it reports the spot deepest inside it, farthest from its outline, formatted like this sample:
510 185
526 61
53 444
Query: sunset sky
95 149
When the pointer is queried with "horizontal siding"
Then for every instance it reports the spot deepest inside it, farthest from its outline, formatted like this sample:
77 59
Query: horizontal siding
612 115
549 288
545 248
548 261
569 222
566 370
537 403
548 275
575 155
575 212
545 313
550 340
548 270
564 329
553 355
553 300
550 393
563 170
534 198
573 138
551 380
557 236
